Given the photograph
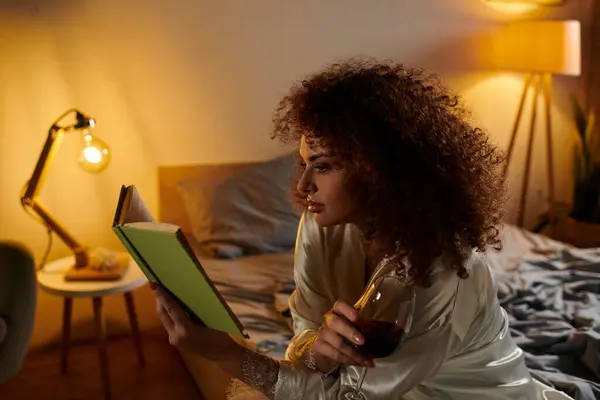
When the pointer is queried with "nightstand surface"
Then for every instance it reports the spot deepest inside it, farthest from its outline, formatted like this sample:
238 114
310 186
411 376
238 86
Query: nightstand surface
51 278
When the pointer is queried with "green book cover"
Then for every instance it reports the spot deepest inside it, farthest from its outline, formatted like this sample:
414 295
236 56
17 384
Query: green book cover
164 255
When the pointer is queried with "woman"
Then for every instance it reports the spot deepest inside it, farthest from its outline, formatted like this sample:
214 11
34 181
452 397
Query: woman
389 166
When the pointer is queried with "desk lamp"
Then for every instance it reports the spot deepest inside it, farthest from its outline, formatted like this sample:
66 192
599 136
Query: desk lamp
100 264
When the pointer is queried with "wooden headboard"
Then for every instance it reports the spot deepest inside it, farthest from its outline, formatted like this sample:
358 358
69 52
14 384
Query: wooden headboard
170 204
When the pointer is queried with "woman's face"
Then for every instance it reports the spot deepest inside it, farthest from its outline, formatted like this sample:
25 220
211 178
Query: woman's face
323 183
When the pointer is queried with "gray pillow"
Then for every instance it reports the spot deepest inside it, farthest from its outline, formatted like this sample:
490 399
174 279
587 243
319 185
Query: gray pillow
250 212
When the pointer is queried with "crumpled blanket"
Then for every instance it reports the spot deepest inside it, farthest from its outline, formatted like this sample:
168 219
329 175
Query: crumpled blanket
551 292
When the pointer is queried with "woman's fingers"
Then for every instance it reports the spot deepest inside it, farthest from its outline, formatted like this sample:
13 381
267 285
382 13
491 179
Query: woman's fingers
173 309
339 325
164 317
344 348
342 308
325 349
337 339
342 335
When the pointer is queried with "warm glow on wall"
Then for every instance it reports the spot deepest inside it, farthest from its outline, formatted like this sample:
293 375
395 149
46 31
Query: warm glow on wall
517 7
513 8
536 2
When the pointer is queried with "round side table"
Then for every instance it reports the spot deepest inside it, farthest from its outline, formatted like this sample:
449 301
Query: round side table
51 279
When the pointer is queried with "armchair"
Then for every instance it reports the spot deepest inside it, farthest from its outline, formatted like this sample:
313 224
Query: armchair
17 306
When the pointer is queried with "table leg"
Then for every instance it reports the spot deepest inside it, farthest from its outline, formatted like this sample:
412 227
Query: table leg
133 323
102 347
66 333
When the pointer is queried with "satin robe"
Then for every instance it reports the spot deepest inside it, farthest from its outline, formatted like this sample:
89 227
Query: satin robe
459 346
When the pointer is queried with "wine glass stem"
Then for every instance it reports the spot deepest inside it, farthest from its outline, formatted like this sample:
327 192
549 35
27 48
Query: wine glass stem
361 378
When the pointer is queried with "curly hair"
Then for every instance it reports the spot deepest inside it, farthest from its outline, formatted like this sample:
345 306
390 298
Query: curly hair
432 182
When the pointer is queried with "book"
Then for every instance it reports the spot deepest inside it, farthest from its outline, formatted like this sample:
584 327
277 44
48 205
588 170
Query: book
165 256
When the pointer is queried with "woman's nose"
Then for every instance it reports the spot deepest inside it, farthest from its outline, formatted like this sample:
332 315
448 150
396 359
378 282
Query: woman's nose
305 184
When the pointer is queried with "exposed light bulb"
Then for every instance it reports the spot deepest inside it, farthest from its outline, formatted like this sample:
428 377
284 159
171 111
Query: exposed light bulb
95 154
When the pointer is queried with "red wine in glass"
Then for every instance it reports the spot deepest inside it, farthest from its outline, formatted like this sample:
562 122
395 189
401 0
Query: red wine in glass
385 312
381 338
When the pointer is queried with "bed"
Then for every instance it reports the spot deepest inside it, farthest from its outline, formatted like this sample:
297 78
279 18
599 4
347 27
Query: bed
550 290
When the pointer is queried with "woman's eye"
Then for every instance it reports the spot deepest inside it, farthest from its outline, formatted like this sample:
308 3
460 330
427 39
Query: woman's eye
322 167
302 164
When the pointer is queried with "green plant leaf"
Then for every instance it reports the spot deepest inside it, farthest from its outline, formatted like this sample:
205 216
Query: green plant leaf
576 176
593 134
586 166
589 129
579 117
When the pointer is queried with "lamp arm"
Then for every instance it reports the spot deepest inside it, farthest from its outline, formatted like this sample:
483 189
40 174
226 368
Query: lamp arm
39 173
55 134
81 255
69 111
29 195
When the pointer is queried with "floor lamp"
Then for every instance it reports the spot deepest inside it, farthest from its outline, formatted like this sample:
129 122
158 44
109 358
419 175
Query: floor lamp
541 49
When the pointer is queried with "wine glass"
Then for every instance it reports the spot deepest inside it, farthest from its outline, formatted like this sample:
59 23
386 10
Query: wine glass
385 312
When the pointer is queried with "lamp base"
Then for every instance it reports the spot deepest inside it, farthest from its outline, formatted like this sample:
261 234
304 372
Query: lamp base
101 265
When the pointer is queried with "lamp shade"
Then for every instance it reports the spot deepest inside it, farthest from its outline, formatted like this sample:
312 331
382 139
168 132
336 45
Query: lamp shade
539 46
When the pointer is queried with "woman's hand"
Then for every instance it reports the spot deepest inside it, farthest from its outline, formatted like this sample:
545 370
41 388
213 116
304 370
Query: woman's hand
186 334
337 338
216 346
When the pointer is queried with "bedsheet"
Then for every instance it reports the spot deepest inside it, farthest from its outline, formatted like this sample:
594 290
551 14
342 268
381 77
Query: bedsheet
257 288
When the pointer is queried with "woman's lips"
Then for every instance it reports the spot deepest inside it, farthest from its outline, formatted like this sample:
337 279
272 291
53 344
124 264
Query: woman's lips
315 207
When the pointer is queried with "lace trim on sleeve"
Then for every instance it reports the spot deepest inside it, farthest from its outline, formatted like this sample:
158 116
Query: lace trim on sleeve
260 378
285 386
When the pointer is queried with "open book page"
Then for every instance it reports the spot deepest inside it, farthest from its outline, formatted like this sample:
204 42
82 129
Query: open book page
134 208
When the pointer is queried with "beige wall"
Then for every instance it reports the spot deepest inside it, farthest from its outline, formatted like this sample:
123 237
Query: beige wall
195 81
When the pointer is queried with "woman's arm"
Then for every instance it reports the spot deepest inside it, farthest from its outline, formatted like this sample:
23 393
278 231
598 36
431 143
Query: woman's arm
256 370
420 358
432 339
311 302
